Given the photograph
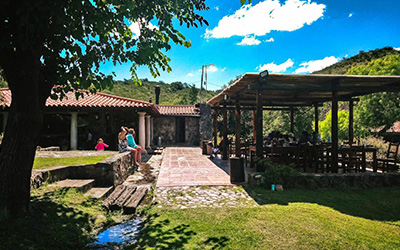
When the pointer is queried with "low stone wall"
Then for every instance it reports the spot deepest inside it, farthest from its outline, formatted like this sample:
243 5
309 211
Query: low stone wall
338 181
111 171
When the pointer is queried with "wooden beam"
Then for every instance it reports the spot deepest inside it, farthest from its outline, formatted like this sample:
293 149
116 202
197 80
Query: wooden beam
225 134
259 126
351 116
334 132
237 129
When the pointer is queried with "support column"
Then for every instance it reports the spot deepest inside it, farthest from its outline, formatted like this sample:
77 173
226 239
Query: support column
237 129
142 129
148 131
225 134
259 125
254 125
152 130
74 131
292 120
351 116
316 128
5 117
215 128
334 132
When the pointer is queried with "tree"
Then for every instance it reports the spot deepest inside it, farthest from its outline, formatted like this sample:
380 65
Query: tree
63 43
381 108
193 94
343 125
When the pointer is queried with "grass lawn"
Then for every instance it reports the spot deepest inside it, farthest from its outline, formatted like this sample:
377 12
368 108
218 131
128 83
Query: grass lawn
58 219
294 219
48 162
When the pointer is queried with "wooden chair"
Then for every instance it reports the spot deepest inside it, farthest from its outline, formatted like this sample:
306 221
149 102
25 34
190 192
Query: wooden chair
353 159
390 163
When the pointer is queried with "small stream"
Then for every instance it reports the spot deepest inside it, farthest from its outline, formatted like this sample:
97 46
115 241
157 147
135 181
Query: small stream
117 236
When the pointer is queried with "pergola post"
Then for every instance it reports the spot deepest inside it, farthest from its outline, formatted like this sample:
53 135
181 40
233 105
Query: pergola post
316 128
237 129
334 132
5 117
142 129
254 125
148 131
351 116
215 128
292 120
259 125
225 133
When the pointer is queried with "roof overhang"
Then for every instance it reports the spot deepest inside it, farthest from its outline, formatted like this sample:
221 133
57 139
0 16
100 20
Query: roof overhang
279 90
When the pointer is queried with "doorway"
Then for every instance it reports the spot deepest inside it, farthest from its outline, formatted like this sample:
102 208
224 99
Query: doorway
180 129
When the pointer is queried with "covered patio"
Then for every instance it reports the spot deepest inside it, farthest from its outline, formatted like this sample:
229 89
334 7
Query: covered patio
264 91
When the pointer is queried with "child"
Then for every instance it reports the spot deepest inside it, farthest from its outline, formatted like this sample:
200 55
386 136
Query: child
101 145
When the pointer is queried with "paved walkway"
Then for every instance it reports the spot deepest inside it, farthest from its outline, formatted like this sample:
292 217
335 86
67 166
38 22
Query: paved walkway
186 166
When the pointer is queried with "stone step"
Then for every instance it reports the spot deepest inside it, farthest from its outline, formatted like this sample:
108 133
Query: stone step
99 192
82 185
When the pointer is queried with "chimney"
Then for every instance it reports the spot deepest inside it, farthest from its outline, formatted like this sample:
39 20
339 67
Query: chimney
157 91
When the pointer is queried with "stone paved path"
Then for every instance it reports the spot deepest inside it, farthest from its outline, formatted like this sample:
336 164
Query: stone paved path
204 196
186 166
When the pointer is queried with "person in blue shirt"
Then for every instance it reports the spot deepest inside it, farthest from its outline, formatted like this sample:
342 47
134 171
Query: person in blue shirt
131 142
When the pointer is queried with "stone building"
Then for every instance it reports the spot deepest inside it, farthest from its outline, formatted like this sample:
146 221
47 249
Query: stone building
69 122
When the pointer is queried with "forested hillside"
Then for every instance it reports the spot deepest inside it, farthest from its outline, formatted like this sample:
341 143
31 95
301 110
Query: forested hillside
174 93
360 59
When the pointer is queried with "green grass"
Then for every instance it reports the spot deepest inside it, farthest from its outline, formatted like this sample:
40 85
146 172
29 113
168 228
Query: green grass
57 219
302 219
42 162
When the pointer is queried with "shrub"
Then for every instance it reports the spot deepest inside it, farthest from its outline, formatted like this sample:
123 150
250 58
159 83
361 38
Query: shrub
262 163
280 174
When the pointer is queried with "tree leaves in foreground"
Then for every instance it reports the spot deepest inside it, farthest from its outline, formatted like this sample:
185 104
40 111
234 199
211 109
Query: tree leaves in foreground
63 44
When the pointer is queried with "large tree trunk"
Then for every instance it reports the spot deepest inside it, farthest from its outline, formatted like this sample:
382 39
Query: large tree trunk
22 132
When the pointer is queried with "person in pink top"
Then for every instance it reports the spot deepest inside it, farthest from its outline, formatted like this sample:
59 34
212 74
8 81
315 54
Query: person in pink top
101 145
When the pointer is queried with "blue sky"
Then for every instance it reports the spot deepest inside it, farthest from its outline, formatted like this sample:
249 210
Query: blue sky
288 37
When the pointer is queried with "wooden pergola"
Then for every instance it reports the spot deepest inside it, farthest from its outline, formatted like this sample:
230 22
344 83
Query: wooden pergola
263 91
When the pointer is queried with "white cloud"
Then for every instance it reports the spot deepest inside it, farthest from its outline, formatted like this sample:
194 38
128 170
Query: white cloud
398 49
190 74
223 69
311 66
135 27
351 14
248 41
270 40
216 7
276 68
267 16
212 68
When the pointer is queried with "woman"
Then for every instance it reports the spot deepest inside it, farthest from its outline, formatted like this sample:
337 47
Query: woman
131 143
123 145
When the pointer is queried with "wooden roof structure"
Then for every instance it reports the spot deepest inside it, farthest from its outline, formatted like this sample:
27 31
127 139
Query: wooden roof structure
301 90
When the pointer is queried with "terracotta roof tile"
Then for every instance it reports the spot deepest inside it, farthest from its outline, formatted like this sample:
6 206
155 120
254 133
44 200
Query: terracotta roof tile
183 110
99 100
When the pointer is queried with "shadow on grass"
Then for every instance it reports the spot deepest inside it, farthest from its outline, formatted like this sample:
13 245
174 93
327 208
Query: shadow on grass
162 234
380 204
49 224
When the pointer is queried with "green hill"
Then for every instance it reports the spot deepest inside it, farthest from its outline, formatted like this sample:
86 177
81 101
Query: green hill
361 58
174 93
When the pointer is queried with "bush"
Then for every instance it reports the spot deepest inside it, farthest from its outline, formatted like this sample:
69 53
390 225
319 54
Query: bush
280 174
262 164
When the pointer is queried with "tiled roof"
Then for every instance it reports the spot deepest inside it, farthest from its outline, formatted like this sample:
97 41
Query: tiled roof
395 128
183 110
99 100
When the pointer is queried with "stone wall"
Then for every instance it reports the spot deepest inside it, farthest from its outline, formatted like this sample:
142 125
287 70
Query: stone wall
337 181
165 127
205 127
112 171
